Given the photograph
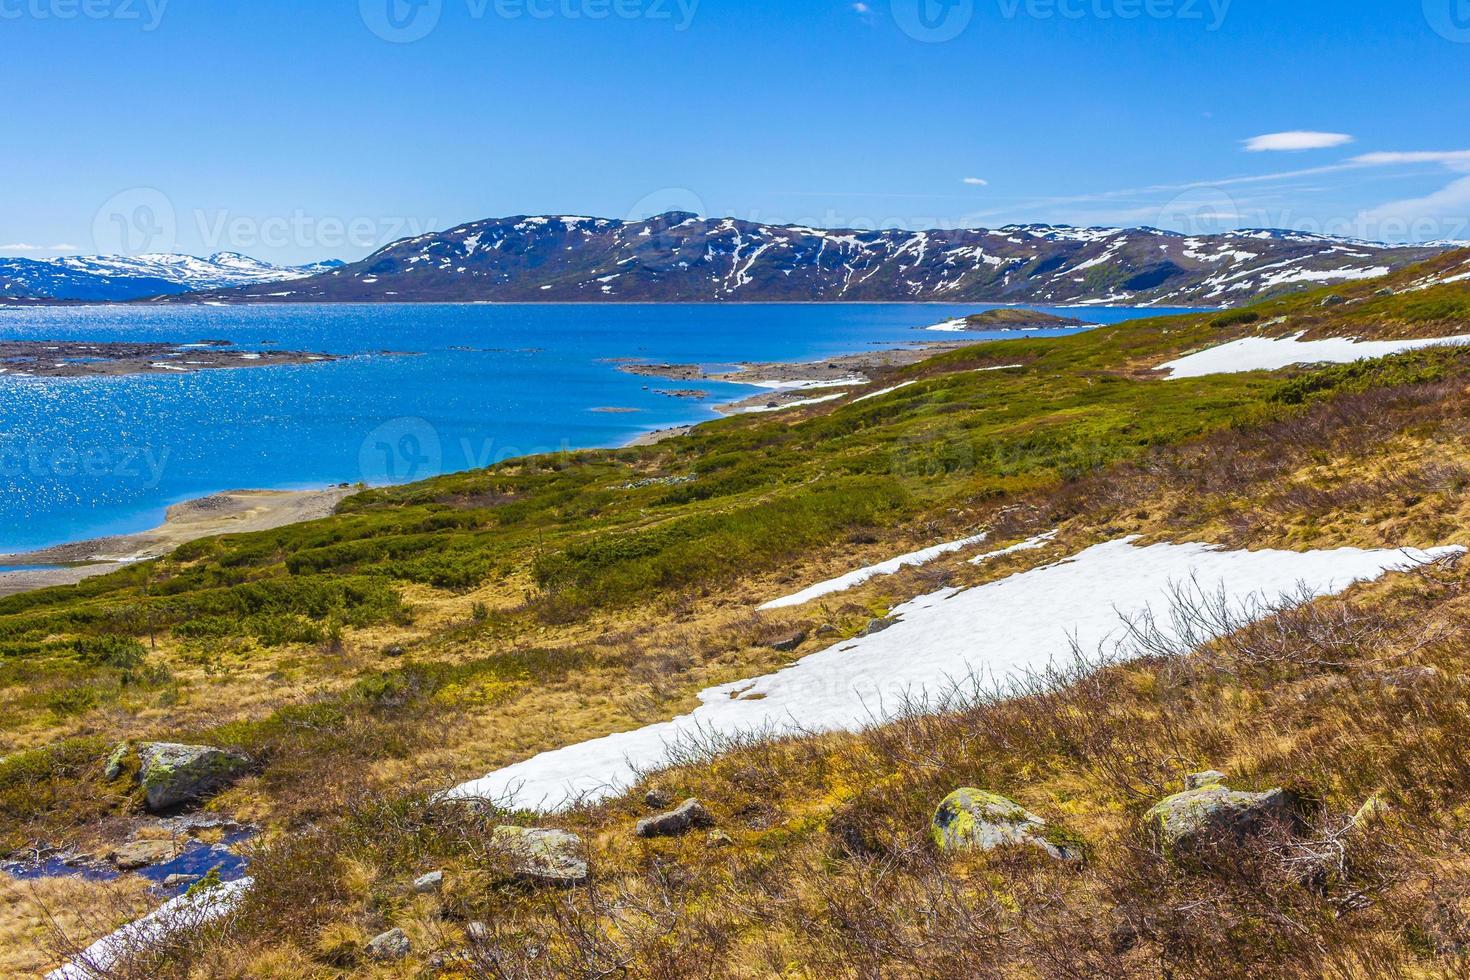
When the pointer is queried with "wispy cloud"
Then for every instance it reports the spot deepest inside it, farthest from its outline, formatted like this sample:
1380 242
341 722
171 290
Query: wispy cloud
862 9
1296 140
1451 200
977 181
27 247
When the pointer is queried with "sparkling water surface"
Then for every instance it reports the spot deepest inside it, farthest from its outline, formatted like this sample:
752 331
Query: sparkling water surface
462 386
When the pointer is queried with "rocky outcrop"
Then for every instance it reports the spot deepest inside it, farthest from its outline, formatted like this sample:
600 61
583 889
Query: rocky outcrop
1208 812
690 814
976 820
177 775
542 857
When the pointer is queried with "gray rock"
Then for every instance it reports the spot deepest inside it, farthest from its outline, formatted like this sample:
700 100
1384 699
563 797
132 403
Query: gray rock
975 820
1333 300
690 814
657 799
718 838
431 882
137 854
174 881
877 626
174 775
1186 821
115 761
1199 780
542 857
789 643
389 946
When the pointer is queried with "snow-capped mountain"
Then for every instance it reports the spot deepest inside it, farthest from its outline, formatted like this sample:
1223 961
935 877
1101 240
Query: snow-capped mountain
124 277
681 257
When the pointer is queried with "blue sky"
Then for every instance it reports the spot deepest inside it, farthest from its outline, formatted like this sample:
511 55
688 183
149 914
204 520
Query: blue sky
297 131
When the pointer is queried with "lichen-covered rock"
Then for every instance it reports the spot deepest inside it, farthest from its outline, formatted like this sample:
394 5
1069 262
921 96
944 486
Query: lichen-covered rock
389 946
690 814
1199 780
1213 812
174 775
542 857
116 760
973 819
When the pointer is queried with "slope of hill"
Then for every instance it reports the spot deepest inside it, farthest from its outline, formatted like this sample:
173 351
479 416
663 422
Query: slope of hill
117 278
679 257
428 635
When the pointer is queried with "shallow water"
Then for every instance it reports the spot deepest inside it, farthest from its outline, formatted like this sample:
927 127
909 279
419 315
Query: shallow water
84 457
196 860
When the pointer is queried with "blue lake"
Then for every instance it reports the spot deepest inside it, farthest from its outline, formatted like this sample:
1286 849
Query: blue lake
84 457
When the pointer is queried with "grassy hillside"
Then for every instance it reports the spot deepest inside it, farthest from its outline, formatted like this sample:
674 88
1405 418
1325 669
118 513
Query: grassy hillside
431 633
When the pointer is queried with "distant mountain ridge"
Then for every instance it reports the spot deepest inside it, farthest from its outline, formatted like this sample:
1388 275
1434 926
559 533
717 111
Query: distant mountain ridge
115 278
680 257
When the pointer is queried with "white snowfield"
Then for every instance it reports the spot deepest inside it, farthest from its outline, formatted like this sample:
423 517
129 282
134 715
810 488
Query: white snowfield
851 579
1270 354
184 912
1001 630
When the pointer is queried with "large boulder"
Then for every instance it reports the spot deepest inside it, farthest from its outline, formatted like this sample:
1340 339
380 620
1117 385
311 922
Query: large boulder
176 775
976 820
690 814
1209 812
542 857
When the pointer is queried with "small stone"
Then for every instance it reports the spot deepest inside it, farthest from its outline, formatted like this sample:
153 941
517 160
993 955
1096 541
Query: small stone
975 820
790 643
115 761
1333 300
657 799
1199 780
389 946
877 626
690 814
137 854
543 857
177 881
431 882
394 650
718 838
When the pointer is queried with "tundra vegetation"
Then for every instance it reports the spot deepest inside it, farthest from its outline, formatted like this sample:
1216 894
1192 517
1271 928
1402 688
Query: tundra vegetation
428 634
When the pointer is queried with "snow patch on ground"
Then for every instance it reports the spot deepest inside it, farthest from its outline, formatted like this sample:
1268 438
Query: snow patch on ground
187 911
851 579
1003 629
885 391
1270 354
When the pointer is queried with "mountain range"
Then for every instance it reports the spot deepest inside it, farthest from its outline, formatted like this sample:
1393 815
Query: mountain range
118 278
679 257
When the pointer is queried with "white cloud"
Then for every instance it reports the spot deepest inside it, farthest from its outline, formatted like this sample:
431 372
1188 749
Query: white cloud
1296 140
862 8
27 247
1442 204
977 181
1454 159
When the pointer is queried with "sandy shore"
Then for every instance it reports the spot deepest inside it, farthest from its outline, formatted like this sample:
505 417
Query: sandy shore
232 512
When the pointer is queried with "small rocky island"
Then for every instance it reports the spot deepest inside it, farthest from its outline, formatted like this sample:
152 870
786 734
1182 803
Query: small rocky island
1011 318
88 359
